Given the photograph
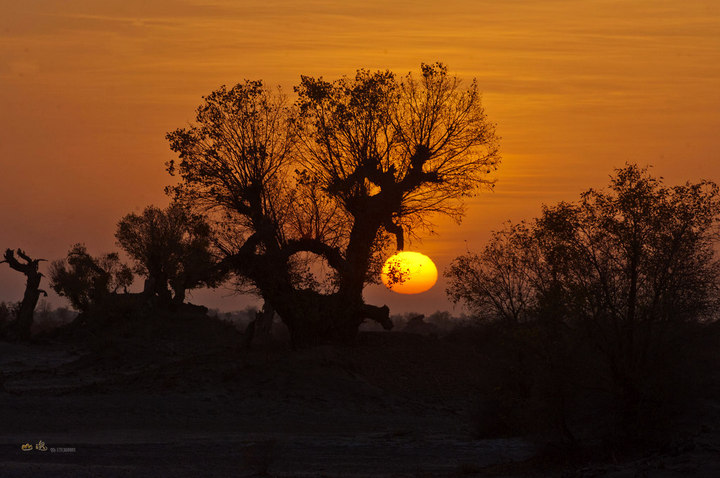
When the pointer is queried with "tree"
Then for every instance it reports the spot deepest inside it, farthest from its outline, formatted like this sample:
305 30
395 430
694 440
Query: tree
235 166
87 281
172 248
356 162
498 283
625 266
20 327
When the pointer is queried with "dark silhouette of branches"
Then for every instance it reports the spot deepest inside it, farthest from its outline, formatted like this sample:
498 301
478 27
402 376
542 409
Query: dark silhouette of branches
172 248
87 281
497 284
20 327
625 268
330 181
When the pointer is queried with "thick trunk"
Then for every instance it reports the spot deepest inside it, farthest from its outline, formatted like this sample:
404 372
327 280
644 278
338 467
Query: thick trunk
264 322
260 328
311 317
357 258
315 319
157 284
24 321
178 295
359 252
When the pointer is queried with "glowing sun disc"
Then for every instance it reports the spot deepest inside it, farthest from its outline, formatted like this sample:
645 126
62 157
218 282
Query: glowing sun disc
409 273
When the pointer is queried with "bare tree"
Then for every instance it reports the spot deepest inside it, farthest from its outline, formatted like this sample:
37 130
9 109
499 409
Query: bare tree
20 327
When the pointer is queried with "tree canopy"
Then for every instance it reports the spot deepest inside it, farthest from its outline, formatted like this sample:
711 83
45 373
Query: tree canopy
86 280
624 269
330 180
171 247
637 252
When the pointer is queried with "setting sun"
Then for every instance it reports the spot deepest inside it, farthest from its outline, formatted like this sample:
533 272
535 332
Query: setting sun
409 273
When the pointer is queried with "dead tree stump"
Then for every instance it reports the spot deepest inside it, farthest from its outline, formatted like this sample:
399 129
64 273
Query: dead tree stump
19 329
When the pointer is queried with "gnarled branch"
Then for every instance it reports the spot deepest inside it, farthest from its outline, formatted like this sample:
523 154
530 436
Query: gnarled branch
331 254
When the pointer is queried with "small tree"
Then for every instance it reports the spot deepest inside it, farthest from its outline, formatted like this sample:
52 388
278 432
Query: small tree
85 280
498 283
21 326
172 249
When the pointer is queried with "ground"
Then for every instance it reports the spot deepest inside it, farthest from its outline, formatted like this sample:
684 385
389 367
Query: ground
160 403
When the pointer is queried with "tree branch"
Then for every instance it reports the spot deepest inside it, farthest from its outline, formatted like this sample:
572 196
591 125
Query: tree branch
15 264
331 254
396 229
378 314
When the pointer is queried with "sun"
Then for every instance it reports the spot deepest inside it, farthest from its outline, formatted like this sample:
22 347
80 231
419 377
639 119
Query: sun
409 273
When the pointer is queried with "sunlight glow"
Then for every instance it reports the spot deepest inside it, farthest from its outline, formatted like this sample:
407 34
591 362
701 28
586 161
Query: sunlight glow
409 273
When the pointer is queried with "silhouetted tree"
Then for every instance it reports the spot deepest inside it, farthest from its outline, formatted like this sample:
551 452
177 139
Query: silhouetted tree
172 248
498 283
87 281
20 327
358 160
625 266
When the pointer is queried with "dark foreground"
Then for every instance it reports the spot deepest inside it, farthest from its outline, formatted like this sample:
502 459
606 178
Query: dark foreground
396 405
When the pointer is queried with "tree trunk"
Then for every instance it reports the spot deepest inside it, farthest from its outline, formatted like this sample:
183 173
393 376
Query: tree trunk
312 318
264 322
178 295
20 328
315 319
260 328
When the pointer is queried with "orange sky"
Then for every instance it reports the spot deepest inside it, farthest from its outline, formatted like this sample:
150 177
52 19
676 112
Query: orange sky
88 90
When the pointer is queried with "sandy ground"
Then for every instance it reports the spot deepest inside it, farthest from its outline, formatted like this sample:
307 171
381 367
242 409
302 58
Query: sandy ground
124 411
122 408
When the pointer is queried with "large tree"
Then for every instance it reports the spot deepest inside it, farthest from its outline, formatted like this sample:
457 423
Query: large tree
623 266
354 163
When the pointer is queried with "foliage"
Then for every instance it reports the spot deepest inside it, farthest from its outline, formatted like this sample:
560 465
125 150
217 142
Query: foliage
330 180
85 280
172 247
622 271
639 253
496 284
417 143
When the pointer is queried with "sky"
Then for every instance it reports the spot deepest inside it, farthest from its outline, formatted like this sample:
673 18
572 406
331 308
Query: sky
88 90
